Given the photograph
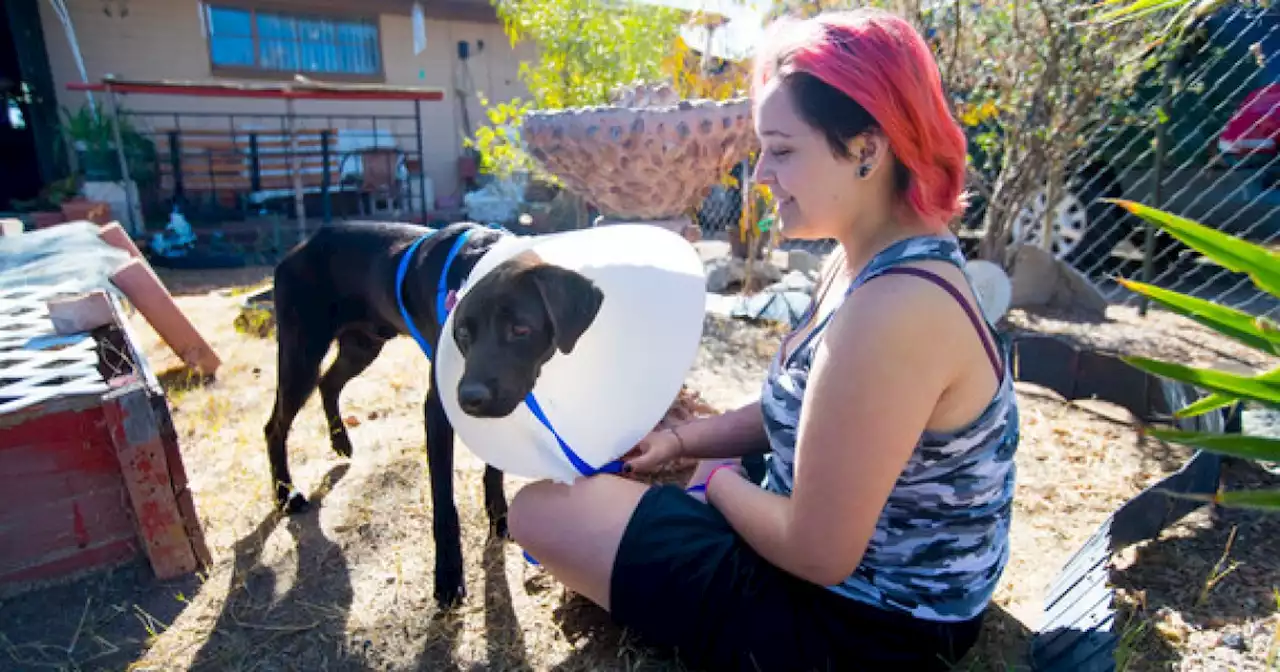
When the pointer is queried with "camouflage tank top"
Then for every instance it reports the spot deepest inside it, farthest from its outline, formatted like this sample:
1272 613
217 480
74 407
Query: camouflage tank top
941 542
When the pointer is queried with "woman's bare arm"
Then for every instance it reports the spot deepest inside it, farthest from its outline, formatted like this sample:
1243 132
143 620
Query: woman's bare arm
876 380
735 433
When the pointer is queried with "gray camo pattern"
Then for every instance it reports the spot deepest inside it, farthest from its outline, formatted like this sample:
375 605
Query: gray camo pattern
941 543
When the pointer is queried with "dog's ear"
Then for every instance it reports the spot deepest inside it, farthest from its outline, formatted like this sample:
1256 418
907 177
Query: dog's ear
572 302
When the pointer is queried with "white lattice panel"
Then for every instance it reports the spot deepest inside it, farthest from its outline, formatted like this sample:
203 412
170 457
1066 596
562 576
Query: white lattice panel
35 363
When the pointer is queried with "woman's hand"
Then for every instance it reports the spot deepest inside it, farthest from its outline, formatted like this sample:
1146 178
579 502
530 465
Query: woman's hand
654 450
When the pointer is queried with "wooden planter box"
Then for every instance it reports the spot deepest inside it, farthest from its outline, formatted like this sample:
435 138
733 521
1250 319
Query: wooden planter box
90 471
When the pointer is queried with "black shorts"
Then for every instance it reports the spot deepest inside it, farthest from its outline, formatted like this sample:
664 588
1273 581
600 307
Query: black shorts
684 579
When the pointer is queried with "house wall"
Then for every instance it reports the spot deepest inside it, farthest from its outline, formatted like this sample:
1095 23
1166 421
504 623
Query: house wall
165 39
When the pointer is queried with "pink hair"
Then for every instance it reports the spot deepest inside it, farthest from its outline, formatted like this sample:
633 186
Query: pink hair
882 63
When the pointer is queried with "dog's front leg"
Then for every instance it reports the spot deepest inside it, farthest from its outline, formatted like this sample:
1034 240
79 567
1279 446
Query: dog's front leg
450 584
495 502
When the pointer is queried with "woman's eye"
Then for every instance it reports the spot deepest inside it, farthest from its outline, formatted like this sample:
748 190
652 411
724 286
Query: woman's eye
779 153
519 330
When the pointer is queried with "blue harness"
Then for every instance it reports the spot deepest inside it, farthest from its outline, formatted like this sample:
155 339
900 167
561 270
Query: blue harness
442 293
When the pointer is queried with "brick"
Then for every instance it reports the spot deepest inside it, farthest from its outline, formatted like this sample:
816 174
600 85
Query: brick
169 438
144 289
77 314
11 227
192 523
135 433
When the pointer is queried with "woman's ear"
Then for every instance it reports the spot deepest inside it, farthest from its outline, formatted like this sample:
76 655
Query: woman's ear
866 151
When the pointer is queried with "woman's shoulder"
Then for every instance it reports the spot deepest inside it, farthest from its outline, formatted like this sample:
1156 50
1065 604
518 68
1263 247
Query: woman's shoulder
904 314
906 294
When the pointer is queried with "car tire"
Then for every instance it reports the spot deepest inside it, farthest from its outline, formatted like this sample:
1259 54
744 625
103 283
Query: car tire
1087 229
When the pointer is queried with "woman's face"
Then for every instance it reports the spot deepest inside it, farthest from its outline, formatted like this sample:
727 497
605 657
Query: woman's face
816 191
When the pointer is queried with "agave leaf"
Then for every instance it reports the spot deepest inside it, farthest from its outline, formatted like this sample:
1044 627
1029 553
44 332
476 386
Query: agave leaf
1210 402
1264 389
1228 321
1234 254
1236 445
1266 500
1215 400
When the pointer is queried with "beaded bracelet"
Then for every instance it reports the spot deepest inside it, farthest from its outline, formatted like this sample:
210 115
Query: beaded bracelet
702 487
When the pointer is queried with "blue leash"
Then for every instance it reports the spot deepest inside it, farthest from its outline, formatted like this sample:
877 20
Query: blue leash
442 292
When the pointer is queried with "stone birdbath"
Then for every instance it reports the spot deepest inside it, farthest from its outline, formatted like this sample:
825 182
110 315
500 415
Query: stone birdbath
648 157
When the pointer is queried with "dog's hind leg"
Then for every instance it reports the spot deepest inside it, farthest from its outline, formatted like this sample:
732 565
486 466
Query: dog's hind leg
302 342
495 502
450 584
357 349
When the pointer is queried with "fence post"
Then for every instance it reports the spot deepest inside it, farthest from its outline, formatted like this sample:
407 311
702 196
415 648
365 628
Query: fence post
327 207
175 161
255 165
1157 196
135 219
295 164
422 161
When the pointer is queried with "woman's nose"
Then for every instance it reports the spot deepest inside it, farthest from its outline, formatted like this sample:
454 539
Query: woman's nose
762 174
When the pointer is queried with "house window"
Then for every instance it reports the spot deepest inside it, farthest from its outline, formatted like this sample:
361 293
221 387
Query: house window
245 41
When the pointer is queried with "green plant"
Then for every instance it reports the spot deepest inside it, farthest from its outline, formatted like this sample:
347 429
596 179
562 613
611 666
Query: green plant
51 197
1262 266
499 142
585 50
89 131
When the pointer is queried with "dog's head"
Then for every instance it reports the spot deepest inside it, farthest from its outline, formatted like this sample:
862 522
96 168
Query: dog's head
511 323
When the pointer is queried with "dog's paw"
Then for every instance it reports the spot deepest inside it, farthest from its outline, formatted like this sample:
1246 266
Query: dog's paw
341 445
450 592
498 529
291 500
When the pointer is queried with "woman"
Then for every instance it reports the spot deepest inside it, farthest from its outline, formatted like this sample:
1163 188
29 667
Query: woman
888 419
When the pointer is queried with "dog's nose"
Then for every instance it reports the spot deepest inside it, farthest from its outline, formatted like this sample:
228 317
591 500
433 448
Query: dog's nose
473 396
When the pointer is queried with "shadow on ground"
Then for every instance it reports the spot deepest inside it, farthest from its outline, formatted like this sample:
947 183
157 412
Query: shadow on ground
1003 644
96 624
307 624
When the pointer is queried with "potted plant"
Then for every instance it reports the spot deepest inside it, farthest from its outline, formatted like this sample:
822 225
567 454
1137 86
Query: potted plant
46 209
92 139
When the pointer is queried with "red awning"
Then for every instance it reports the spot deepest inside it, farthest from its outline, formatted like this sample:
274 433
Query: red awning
300 90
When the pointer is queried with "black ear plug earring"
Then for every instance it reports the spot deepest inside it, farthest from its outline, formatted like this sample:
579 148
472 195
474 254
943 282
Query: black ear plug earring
864 170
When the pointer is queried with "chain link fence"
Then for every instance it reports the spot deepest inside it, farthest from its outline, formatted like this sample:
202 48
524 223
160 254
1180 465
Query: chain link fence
1197 136
1197 139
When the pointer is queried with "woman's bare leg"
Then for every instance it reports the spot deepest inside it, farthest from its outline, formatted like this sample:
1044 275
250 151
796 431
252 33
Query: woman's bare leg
574 531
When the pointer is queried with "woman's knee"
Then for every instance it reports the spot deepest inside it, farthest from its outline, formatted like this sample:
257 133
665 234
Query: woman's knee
543 511
532 503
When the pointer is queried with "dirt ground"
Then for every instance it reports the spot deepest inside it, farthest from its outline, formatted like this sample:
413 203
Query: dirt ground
348 585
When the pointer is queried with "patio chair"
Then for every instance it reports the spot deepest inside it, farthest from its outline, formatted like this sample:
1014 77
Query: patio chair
382 182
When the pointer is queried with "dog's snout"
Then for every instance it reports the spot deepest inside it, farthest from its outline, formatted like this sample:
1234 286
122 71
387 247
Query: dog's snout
474 396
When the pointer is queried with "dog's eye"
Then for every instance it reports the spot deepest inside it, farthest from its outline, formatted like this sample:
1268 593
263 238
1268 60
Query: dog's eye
462 335
520 330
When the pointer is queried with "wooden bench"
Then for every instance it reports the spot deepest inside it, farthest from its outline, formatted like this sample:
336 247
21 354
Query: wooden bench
221 161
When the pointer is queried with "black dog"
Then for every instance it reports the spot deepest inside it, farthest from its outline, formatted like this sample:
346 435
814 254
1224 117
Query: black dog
341 284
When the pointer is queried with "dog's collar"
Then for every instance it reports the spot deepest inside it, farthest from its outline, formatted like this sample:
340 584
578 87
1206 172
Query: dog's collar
442 289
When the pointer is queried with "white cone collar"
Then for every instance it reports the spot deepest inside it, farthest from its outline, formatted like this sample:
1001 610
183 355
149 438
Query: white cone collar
625 370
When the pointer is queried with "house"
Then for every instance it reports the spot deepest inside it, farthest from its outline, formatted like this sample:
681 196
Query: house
466 55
